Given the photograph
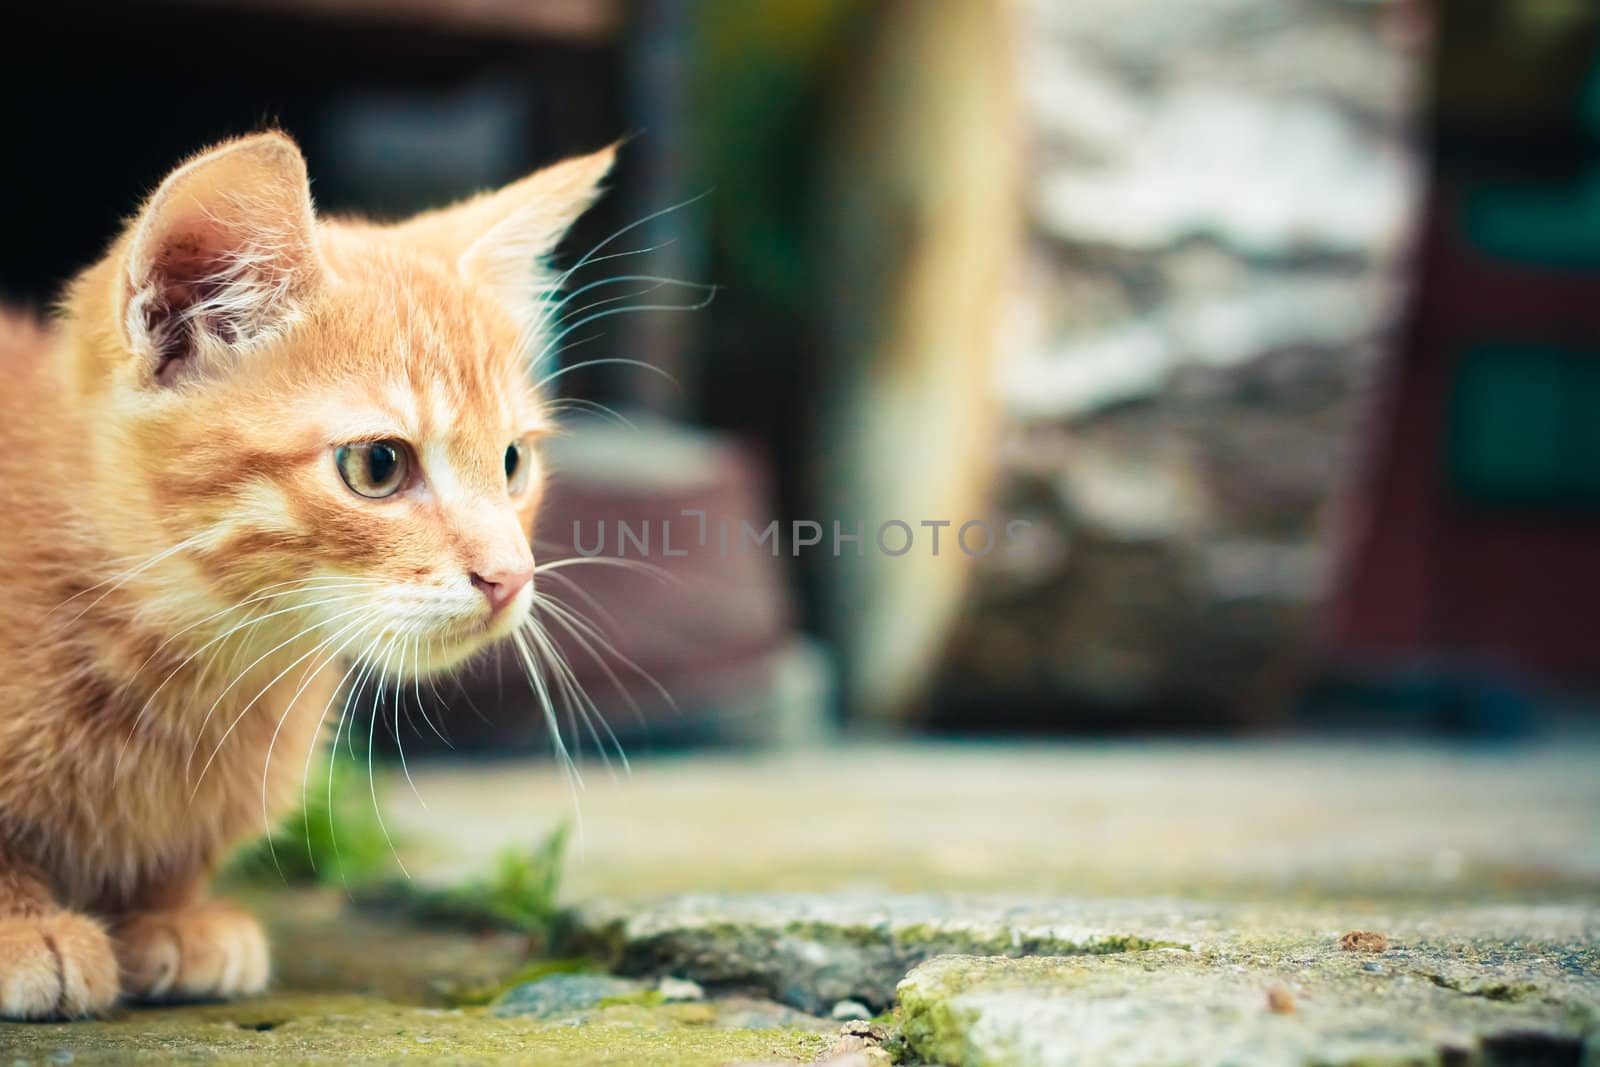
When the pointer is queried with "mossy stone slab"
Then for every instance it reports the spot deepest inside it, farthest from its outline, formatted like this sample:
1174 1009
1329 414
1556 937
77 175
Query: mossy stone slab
813 950
1527 994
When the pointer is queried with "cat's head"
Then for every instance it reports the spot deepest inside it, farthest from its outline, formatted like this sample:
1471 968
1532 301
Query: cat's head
327 425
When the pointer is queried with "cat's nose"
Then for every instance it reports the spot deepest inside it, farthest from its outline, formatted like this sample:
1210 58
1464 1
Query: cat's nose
501 587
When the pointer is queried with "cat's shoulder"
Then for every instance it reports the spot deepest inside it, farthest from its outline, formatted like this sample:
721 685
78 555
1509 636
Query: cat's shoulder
23 335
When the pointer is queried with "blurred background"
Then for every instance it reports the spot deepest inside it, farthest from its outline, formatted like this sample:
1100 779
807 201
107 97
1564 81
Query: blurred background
1260 337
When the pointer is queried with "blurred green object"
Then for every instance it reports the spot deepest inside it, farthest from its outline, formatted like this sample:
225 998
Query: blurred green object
755 72
1550 223
1589 103
1522 426
864 162
520 892
336 838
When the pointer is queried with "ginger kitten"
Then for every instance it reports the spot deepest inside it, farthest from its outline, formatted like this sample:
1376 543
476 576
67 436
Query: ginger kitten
256 450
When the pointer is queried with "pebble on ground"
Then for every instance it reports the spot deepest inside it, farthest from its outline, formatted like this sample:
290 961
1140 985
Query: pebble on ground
1364 941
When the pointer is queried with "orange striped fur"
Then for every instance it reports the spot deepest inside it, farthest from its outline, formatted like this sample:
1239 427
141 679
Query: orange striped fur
188 575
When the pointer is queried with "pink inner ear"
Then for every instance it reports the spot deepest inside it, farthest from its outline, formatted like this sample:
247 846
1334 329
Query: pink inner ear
201 286
221 256
185 280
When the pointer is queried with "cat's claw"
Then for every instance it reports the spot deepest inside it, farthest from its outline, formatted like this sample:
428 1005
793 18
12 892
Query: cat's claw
55 966
203 951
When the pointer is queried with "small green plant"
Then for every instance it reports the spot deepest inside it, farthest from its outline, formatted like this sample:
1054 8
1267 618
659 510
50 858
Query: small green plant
520 892
336 838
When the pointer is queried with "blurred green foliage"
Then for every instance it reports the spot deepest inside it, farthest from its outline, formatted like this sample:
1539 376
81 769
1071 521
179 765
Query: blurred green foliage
759 82
520 892
336 838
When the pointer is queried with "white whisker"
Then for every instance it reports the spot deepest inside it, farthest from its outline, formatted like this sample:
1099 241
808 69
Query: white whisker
372 782
570 620
246 624
579 700
125 577
240 675
333 753
289 709
352 626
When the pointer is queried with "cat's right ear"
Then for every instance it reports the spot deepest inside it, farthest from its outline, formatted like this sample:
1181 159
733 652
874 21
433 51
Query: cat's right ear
222 257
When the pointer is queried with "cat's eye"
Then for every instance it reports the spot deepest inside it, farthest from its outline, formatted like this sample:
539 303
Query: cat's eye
374 468
516 467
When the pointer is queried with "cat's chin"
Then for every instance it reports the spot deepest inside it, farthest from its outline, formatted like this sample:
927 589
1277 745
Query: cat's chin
441 660
454 647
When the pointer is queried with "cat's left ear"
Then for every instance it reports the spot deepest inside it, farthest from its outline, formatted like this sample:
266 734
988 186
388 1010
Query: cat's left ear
222 257
502 239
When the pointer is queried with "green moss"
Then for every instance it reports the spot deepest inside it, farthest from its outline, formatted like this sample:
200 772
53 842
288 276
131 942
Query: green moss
648 998
916 940
329 1029
950 976
931 1023
482 993
625 1011
939 940
693 1013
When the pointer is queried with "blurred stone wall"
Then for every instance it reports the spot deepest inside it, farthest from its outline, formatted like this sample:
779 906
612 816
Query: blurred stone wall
1221 207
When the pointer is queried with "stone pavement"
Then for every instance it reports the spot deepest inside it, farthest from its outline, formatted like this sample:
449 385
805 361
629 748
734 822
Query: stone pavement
1503 986
983 906
1246 820
1003 982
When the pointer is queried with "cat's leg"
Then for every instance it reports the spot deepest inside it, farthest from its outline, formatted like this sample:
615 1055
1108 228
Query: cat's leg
190 948
53 963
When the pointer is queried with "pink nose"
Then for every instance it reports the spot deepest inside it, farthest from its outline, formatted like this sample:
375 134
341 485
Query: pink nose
501 587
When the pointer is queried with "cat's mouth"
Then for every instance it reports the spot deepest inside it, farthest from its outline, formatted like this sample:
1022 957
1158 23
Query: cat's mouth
421 635
498 623
464 638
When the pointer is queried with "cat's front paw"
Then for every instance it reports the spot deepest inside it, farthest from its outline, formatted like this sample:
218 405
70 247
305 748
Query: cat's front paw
55 966
202 951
